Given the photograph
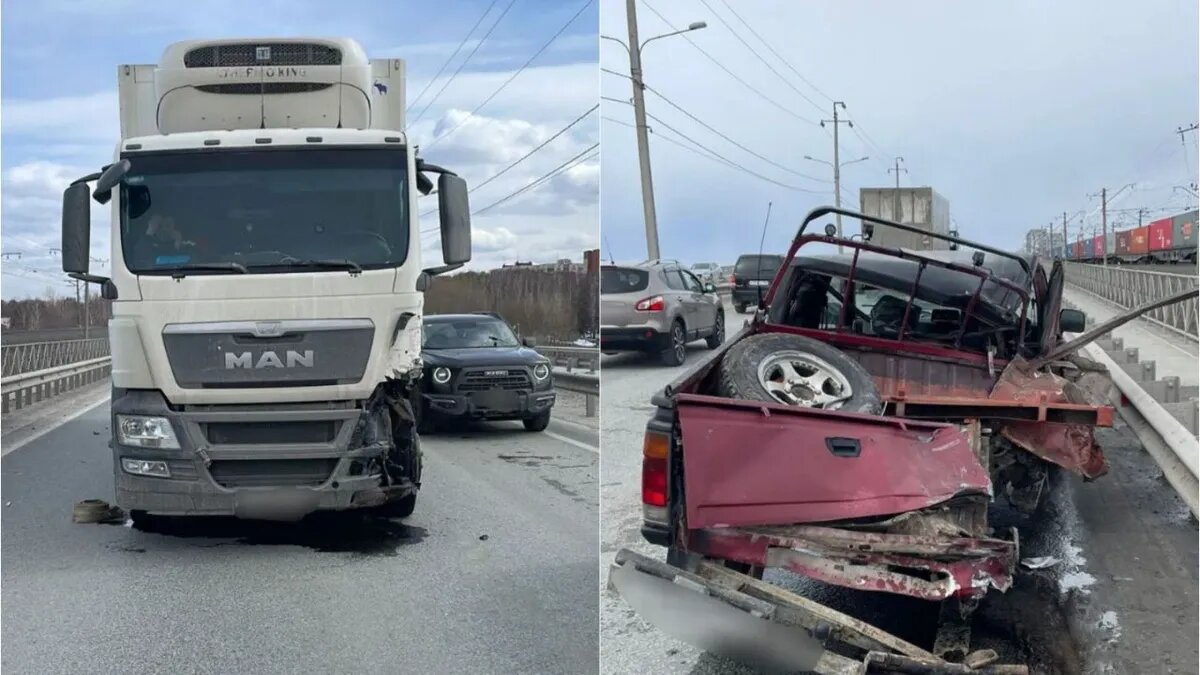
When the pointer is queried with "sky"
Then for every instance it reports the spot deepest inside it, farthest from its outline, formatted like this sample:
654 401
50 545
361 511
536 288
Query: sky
1013 111
59 116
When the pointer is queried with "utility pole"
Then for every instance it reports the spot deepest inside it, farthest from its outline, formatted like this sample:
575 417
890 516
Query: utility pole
643 136
1065 240
837 169
1104 223
1181 131
896 213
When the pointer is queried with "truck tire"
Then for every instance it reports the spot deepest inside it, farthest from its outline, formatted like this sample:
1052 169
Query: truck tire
795 370
713 341
675 348
400 508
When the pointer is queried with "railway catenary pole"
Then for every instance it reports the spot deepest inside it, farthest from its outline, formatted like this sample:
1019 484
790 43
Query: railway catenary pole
837 168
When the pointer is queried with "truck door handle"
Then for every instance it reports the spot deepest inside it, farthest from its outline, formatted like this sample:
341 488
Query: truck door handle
843 447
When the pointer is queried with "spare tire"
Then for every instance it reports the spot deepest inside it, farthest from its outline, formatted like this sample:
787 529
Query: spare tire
800 371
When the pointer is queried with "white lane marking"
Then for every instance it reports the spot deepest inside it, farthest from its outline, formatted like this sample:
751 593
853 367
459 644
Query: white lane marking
571 441
12 447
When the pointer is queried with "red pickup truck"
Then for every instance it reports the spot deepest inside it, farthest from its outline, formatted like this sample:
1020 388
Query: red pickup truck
855 432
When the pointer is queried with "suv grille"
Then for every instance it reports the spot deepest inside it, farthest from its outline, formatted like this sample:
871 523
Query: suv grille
482 381
234 473
246 54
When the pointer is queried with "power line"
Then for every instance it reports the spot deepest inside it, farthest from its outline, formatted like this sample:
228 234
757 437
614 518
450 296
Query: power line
569 164
776 53
759 56
465 61
528 154
513 76
716 154
727 70
456 51
710 128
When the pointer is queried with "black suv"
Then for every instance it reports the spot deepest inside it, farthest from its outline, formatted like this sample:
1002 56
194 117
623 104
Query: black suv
475 368
752 275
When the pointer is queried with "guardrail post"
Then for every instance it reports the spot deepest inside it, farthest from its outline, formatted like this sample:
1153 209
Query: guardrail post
589 405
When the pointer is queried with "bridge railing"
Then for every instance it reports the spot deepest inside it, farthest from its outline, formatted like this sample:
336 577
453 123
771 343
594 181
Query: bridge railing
1129 288
31 357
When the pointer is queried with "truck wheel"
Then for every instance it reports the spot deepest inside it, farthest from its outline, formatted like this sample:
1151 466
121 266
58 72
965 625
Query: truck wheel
400 508
676 348
713 341
538 423
799 371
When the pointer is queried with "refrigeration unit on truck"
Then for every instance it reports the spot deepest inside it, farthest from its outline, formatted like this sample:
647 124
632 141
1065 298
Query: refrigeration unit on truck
921 207
267 279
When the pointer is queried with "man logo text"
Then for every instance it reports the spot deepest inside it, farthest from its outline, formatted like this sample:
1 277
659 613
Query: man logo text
290 359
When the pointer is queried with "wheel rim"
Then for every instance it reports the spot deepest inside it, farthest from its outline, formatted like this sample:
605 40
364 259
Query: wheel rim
802 379
678 343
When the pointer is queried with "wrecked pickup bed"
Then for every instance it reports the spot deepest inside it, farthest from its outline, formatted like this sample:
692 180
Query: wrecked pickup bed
855 432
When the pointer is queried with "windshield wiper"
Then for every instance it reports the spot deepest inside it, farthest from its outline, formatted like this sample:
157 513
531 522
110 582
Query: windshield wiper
180 271
330 263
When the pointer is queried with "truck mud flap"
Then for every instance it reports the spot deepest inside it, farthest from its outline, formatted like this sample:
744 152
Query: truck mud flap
752 621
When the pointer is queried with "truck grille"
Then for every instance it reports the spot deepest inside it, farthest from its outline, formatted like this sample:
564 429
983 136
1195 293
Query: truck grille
482 381
260 433
250 88
237 473
246 54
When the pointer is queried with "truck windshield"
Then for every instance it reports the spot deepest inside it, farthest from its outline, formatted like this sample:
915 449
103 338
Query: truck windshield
467 333
266 210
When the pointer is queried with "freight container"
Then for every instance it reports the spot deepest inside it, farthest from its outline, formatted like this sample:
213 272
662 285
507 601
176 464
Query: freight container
1139 240
1125 242
920 206
1184 235
1161 232
1077 249
1098 246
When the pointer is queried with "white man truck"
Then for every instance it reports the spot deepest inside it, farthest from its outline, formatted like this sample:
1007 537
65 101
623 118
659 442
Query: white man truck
267 279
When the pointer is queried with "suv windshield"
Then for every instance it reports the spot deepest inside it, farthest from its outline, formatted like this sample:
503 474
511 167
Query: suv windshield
466 333
623 280
265 210
761 266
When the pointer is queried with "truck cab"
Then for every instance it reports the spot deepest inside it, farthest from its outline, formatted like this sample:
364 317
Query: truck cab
267 279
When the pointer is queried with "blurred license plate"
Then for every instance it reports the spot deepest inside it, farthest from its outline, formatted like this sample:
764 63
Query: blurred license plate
758 282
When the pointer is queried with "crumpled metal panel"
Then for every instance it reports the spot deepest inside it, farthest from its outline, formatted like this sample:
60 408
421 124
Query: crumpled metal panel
1071 446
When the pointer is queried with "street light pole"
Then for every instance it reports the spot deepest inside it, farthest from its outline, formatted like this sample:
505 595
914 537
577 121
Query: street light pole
643 136
634 50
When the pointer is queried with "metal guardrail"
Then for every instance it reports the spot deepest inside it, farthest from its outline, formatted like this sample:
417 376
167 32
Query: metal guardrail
34 356
1173 447
1130 288
580 383
571 358
25 389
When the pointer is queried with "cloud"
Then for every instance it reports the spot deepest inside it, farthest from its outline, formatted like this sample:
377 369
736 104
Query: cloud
88 117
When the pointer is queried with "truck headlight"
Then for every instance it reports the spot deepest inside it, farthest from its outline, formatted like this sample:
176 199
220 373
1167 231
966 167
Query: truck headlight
441 375
146 432
541 371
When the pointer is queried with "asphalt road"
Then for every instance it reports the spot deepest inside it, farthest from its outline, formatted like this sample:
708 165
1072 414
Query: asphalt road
1121 596
494 573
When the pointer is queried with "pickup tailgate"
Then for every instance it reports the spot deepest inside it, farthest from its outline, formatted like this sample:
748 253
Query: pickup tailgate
755 463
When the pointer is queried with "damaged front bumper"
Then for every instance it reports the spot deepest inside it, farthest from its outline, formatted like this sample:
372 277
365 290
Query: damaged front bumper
737 616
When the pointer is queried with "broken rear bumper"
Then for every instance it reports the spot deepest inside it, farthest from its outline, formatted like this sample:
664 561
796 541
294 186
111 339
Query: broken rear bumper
737 616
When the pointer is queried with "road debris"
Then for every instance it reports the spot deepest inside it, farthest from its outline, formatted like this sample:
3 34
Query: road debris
97 511
1040 562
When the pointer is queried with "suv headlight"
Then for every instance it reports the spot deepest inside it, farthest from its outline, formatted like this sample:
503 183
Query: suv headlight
541 371
441 375
146 432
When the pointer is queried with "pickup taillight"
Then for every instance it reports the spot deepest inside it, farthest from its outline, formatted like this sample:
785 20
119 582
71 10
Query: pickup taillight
654 304
654 469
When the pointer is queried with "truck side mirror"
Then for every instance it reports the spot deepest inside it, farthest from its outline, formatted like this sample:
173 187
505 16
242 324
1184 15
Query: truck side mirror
454 212
1072 321
76 229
